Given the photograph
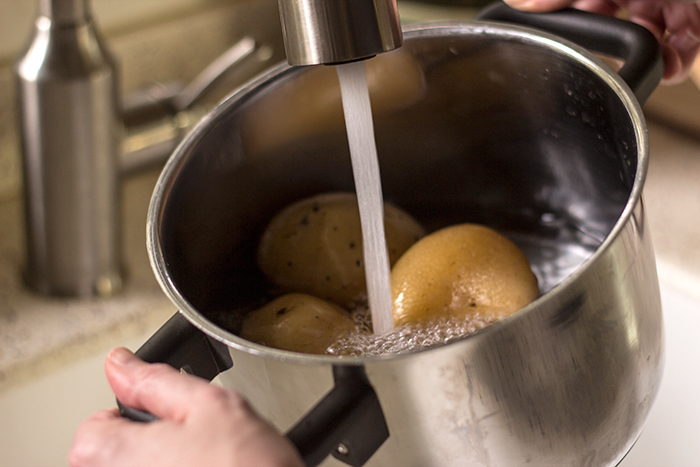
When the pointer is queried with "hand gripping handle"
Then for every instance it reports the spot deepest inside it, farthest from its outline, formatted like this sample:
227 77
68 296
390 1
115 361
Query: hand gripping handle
637 46
347 422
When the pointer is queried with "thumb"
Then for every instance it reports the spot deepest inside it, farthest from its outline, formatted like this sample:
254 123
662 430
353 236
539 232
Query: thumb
155 388
539 5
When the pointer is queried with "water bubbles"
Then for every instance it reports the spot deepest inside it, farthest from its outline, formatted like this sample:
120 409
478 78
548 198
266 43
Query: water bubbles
548 218
408 337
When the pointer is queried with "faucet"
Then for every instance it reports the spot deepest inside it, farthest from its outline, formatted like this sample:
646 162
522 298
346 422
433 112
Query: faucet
74 139
335 31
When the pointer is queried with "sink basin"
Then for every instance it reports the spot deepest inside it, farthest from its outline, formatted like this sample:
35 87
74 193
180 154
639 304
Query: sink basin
670 437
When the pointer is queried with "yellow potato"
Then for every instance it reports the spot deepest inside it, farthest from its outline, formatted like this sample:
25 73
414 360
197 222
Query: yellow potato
315 247
297 322
458 271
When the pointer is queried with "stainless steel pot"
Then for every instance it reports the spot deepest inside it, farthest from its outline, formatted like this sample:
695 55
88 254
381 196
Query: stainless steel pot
502 125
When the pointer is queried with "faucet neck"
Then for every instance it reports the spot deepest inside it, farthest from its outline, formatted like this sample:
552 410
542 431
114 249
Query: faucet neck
65 12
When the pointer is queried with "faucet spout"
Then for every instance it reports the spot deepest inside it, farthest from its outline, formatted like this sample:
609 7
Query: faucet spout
335 31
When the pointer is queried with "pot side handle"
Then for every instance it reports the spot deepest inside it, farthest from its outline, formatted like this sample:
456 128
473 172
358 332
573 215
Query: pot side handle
347 422
643 64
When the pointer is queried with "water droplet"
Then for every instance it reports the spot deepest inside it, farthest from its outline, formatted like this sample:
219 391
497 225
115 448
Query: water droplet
548 217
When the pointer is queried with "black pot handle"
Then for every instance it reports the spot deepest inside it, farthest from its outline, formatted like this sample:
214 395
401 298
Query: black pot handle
348 422
637 46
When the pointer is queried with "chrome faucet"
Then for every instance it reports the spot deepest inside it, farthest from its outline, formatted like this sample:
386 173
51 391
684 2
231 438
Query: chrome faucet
335 31
75 146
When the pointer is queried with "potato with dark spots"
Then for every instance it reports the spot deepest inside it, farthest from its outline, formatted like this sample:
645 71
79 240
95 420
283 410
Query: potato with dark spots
315 246
297 322
459 271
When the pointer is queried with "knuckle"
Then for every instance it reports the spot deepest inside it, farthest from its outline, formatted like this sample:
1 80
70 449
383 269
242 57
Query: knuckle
219 398
81 455
87 448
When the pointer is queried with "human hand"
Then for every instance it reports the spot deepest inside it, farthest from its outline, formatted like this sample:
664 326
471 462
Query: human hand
675 23
199 424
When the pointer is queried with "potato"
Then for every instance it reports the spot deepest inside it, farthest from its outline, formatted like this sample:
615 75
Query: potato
458 271
315 247
297 322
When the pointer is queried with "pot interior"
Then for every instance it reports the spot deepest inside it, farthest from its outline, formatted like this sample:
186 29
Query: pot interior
494 126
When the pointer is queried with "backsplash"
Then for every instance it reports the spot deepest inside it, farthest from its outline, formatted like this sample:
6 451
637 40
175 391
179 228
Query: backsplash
113 16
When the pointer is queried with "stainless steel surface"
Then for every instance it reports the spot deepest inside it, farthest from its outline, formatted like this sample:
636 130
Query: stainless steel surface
506 127
71 136
64 12
331 31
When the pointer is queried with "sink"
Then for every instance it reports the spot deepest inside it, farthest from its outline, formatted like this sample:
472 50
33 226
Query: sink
670 438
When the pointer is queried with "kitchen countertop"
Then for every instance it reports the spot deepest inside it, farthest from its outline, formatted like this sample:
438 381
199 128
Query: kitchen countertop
40 333
672 200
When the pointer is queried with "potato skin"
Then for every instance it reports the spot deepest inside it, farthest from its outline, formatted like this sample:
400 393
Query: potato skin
458 271
297 322
315 246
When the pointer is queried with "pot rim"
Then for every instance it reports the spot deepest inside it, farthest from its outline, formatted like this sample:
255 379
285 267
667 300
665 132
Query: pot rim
240 96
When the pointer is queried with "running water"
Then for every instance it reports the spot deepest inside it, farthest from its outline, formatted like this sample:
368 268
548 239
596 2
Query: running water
365 166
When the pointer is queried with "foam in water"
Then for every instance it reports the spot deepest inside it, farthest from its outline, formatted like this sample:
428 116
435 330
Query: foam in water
365 166
407 337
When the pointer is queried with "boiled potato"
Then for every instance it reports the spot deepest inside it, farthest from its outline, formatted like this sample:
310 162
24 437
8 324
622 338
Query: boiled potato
297 322
315 247
458 271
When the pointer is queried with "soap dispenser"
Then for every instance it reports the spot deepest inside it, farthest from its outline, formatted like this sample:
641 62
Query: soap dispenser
71 132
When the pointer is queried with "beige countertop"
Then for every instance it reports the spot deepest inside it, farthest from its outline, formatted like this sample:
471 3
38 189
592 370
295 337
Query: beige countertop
672 197
40 333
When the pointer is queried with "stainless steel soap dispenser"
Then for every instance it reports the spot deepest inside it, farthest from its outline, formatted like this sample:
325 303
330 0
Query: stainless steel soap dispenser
71 131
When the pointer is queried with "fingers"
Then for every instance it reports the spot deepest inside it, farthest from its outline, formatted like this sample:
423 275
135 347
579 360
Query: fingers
100 439
677 26
539 5
199 424
602 7
682 41
156 388
675 23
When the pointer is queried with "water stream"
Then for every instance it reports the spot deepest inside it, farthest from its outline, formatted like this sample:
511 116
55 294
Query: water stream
365 165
